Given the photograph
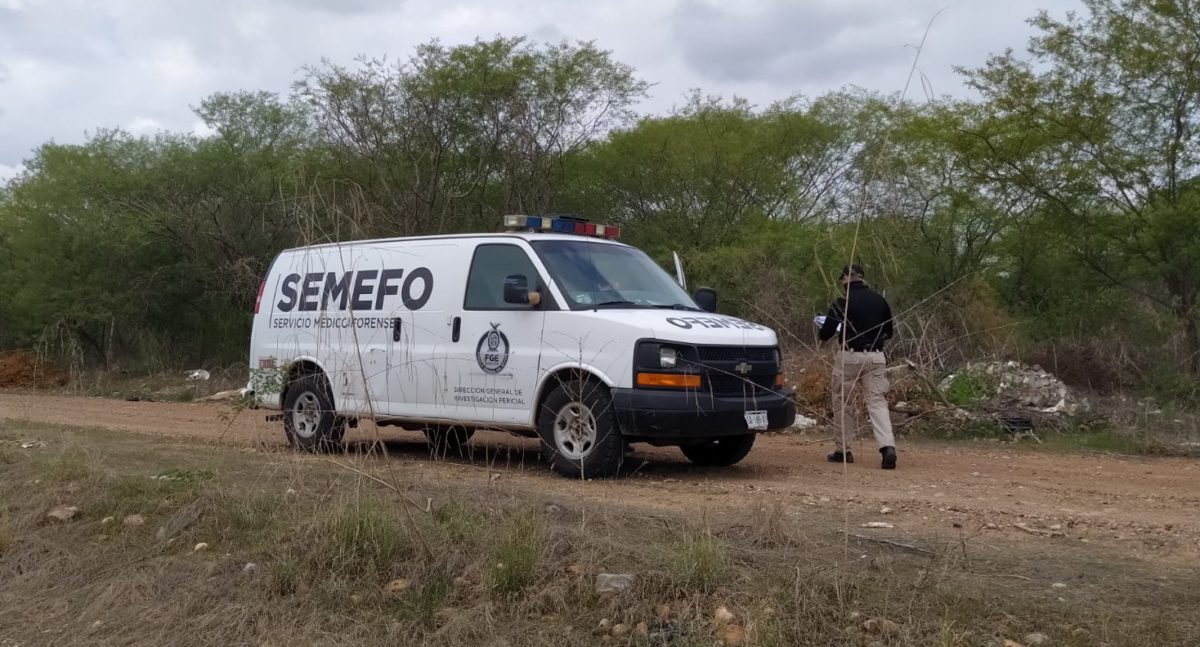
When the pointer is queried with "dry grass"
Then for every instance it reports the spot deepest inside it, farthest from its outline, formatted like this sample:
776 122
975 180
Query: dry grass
486 564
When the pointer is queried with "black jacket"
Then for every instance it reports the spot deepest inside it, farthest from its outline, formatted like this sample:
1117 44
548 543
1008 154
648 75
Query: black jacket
869 319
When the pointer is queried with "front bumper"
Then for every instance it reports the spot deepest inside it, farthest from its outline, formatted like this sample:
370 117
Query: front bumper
680 416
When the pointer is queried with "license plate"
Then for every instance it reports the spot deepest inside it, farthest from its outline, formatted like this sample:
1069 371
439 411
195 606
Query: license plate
756 420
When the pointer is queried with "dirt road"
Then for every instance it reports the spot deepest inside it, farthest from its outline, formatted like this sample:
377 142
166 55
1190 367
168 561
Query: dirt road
1144 507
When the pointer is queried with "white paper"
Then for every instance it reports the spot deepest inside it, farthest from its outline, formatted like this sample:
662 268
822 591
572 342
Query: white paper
819 321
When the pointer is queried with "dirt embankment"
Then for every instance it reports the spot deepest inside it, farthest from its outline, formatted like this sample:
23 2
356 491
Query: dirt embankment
1142 506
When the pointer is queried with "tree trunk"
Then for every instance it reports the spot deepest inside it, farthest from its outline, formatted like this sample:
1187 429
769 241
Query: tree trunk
1191 335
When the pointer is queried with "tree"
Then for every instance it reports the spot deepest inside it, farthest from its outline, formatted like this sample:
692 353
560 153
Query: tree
456 136
1100 126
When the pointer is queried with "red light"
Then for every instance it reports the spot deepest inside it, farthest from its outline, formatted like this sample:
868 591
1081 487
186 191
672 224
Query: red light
611 231
581 227
258 302
590 229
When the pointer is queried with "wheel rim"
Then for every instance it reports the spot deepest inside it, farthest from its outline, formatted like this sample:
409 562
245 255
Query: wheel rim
574 431
306 415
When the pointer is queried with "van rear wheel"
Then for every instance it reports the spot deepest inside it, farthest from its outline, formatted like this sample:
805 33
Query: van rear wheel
309 419
719 452
579 432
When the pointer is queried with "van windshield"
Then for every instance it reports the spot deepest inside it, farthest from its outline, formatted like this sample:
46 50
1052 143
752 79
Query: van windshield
601 275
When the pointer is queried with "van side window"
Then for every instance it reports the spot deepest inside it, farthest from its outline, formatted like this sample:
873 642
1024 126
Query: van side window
491 265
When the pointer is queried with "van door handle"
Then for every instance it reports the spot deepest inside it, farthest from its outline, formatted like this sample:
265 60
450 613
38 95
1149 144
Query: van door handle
455 328
396 329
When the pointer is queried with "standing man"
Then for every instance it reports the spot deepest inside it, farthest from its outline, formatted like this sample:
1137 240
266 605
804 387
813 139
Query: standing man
862 322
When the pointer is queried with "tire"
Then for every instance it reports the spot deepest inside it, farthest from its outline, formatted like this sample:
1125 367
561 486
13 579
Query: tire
719 452
448 440
309 419
579 431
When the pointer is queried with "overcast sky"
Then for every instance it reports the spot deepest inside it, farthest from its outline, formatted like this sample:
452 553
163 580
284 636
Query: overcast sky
70 66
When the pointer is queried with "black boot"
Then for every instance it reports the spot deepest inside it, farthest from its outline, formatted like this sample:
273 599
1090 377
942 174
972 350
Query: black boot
889 457
838 457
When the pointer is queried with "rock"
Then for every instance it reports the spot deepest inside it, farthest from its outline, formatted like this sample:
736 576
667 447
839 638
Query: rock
1012 643
461 582
576 569
552 509
1058 585
1036 639
605 624
803 422
642 629
619 630
290 492
134 521
1013 385
250 568
62 513
198 375
855 615
733 635
723 616
356 599
495 477
885 510
107 520
614 582
878 524
881 627
397 586
662 612
200 547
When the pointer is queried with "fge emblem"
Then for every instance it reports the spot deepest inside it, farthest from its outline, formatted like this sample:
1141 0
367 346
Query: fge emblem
492 350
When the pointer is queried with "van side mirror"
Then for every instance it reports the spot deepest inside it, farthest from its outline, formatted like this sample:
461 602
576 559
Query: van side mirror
706 298
516 289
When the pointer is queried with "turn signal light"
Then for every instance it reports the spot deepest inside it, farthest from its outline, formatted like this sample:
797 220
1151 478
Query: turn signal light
778 380
676 380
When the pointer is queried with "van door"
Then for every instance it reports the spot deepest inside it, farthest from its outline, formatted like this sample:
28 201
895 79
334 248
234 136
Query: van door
494 377
404 362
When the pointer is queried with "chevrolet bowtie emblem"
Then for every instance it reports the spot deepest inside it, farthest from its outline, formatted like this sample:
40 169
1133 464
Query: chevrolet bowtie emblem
743 368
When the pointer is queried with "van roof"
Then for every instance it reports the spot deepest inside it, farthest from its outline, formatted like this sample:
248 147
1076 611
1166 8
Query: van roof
522 235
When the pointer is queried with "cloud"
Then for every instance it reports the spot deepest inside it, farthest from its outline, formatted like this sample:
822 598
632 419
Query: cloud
784 40
9 172
817 45
344 6
74 66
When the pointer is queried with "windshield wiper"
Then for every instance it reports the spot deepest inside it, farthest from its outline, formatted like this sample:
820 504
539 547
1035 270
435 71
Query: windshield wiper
617 303
675 306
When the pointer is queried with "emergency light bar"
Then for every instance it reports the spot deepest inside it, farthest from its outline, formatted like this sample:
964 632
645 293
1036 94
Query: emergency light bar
561 225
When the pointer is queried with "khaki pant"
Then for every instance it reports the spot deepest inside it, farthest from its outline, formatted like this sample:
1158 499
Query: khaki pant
852 370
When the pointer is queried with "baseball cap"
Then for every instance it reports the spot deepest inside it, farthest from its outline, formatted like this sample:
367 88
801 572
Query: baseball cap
853 270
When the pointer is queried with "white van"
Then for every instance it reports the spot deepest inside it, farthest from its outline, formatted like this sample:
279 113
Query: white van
552 330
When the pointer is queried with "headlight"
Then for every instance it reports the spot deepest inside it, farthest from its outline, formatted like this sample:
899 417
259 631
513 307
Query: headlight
667 357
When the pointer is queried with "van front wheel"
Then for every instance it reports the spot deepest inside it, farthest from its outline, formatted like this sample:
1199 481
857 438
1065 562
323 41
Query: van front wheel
719 452
309 418
579 432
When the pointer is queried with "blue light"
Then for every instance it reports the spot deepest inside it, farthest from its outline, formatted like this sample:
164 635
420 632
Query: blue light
533 222
563 226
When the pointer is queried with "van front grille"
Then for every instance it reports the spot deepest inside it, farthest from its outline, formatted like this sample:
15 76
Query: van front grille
736 354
